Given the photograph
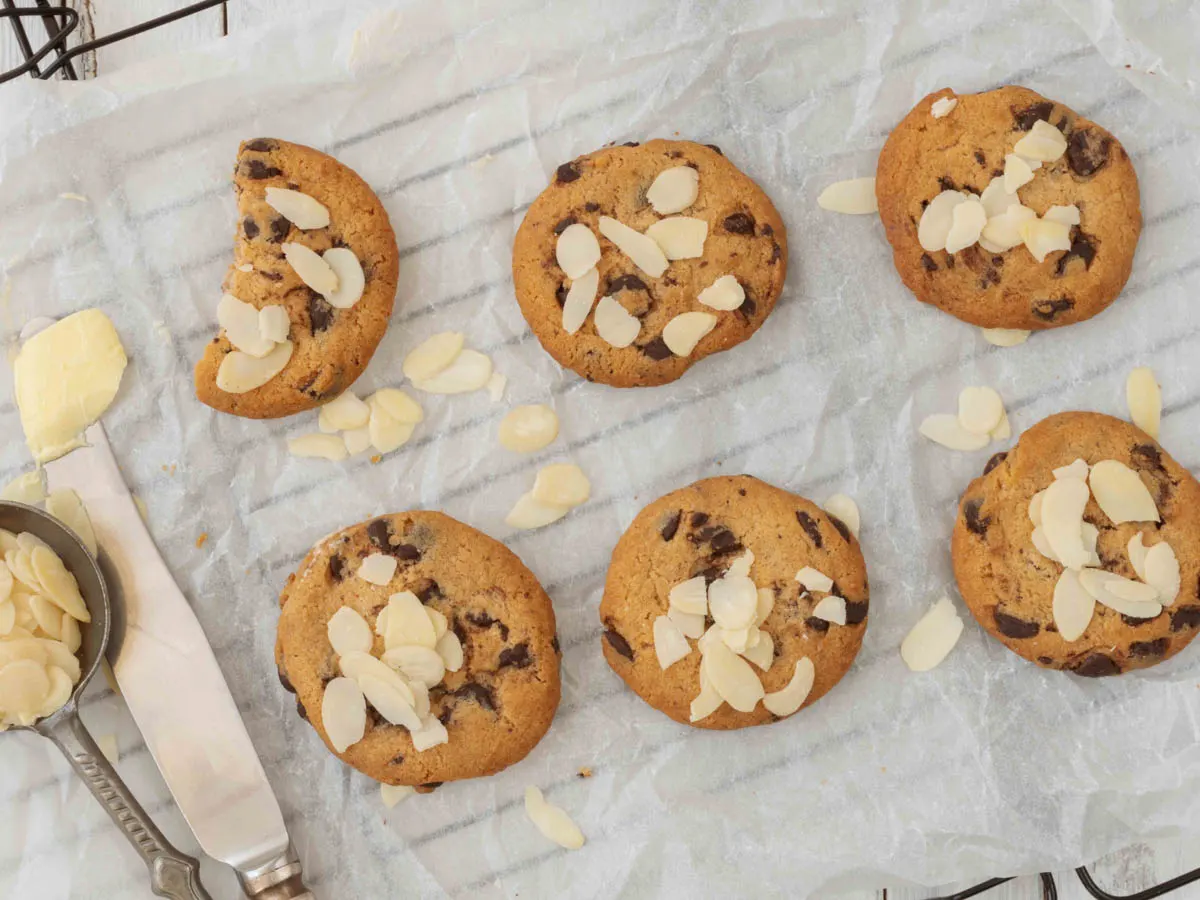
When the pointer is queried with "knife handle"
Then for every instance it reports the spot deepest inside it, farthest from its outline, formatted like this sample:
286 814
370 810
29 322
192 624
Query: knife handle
277 879
172 874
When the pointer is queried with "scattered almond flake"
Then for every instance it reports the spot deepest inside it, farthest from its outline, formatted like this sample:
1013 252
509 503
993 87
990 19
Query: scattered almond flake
300 209
68 195
674 190
311 268
408 622
1121 494
943 106
1003 431
318 446
385 432
691 624
390 702
561 484
1077 469
945 429
432 355
202 539
1043 143
845 510
343 713
1144 397
740 640
1062 508
399 405
813 580
440 623
766 603
1003 232
1068 215
350 278
641 249
1017 173
391 794
108 746
761 652
28 488
470 371
240 372
707 702
377 568
733 602
933 637
1130 598
243 326
245 267
855 196
357 665
1043 238
581 296
577 250
741 565
58 585
726 293
1073 606
417 664
614 324
1005 337
430 734
348 631
1162 572
686 330
1091 537
527 429
527 513
690 596
1137 555
938 218
552 821
996 200
732 678
273 323
449 648
71 635
831 609
980 409
670 645
967 220
344 413
679 237
791 698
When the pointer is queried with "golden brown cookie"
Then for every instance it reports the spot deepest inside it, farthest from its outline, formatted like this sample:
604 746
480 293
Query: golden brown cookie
1009 584
495 708
704 530
331 346
964 150
745 239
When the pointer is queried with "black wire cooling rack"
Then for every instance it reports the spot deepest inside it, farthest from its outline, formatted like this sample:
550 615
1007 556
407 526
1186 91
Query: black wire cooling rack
54 58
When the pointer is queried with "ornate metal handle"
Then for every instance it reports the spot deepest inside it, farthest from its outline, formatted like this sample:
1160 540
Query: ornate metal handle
278 879
172 874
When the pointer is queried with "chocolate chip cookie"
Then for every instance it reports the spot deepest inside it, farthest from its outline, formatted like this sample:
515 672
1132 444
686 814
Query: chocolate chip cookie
682 256
495 700
1096 614
683 565
326 340
1086 182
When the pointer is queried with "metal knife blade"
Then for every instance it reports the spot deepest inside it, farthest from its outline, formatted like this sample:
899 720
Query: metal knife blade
170 678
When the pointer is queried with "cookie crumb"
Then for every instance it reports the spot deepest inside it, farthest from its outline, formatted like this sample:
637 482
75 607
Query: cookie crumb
202 540
585 772
375 459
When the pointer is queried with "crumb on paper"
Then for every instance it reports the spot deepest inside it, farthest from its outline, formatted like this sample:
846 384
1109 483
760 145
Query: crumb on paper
376 459
170 470
161 329
202 540
585 772
67 195
481 161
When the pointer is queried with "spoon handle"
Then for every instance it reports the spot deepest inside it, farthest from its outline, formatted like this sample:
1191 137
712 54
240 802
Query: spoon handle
172 874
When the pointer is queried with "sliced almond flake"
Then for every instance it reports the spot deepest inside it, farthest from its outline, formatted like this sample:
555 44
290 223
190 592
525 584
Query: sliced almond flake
1137 555
614 324
29 488
420 700
8 617
311 268
679 237
1162 572
1017 173
48 616
449 648
22 569
273 323
389 702
59 693
65 505
673 190
58 655
1078 468
1121 494
1035 507
686 330
356 665
527 429
670 645
430 734
350 278
855 197
707 702
937 219
996 200
761 652
945 429
726 293
1073 606
831 609
318 446
690 596
245 267
1063 503
1003 431
527 513
791 698
1121 594
440 624
377 568
1091 537
581 296
1005 337
408 622
391 794
561 484
1003 232
980 409
1042 238
1144 397
58 585
577 250
343 713
691 624
642 250
733 602
399 405
242 326
766 603
432 355
416 663
933 637
1068 215
343 413
552 821
845 510
71 635
741 565
384 432
348 631
240 372
813 580
300 209
6 583
740 640
1043 143
470 371
967 221
942 107
496 385
732 678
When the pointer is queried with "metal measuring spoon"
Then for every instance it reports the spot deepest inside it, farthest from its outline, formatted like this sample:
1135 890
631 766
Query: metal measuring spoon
172 874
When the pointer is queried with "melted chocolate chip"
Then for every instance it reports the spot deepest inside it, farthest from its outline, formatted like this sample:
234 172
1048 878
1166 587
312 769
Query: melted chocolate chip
766 230
591 206
1147 456
1129 620
856 611
1156 647
261 145
1087 151
564 224
286 682
946 183
1046 310
428 590
976 523
320 313
709 573
840 526
300 711
397 760
337 567
927 263
626 283
714 148
1097 665
378 532
516 657
258 170
1011 626
996 459
630 144
776 255
566 173
980 158
280 228
556 645
406 553
1081 248
748 308
618 643
656 349
818 625
810 526
724 541
670 527
1027 117
739 223
698 519
249 228
1045 660
1185 617
480 619
561 295
271 276
477 693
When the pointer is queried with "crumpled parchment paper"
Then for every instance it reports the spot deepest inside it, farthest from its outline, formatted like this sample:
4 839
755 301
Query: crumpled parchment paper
457 114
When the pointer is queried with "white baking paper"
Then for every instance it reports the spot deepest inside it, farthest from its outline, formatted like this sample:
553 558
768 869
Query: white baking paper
458 114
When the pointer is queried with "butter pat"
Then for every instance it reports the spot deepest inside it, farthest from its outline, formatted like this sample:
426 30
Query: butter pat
65 377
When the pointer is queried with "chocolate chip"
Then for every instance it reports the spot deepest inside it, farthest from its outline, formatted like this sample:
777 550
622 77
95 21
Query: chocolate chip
564 224
300 711
566 173
1185 617
714 148
618 643
1128 620
270 276
704 534
1045 660
1081 248
739 223
709 573
990 277
378 533
724 541
1011 626
776 253
249 228
1097 665
975 522
258 170
996 459
766 230
517 657
427 590
591 207
1147 456
810 526
656 349
320 313
337 567
747 309
397 760
406 553
630 144
480 619
280 228
949 261
818 625
927 263
1087 151
429 787
477 693
856 611
1046 310
840 526
261 145
556 645
286 682
698 519
1027 117
946 183
626 283
561 294
671 526
1156 647
980 158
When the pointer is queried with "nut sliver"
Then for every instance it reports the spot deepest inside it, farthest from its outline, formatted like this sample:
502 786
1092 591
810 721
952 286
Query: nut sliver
791 698
348 272
577 250
732 678
933 637
581 296
343 713
240 372
945 429
311 268
670 645
432 355
470 371
855 196
348 631
300 209
1144 397
679 237
1063 503
552 821
1162 572
528 513
1073 606
615 325
561 484
1122 495
642 250
674 190
686 330
389 702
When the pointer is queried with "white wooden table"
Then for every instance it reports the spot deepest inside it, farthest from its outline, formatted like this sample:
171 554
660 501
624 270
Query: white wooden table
1127 871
